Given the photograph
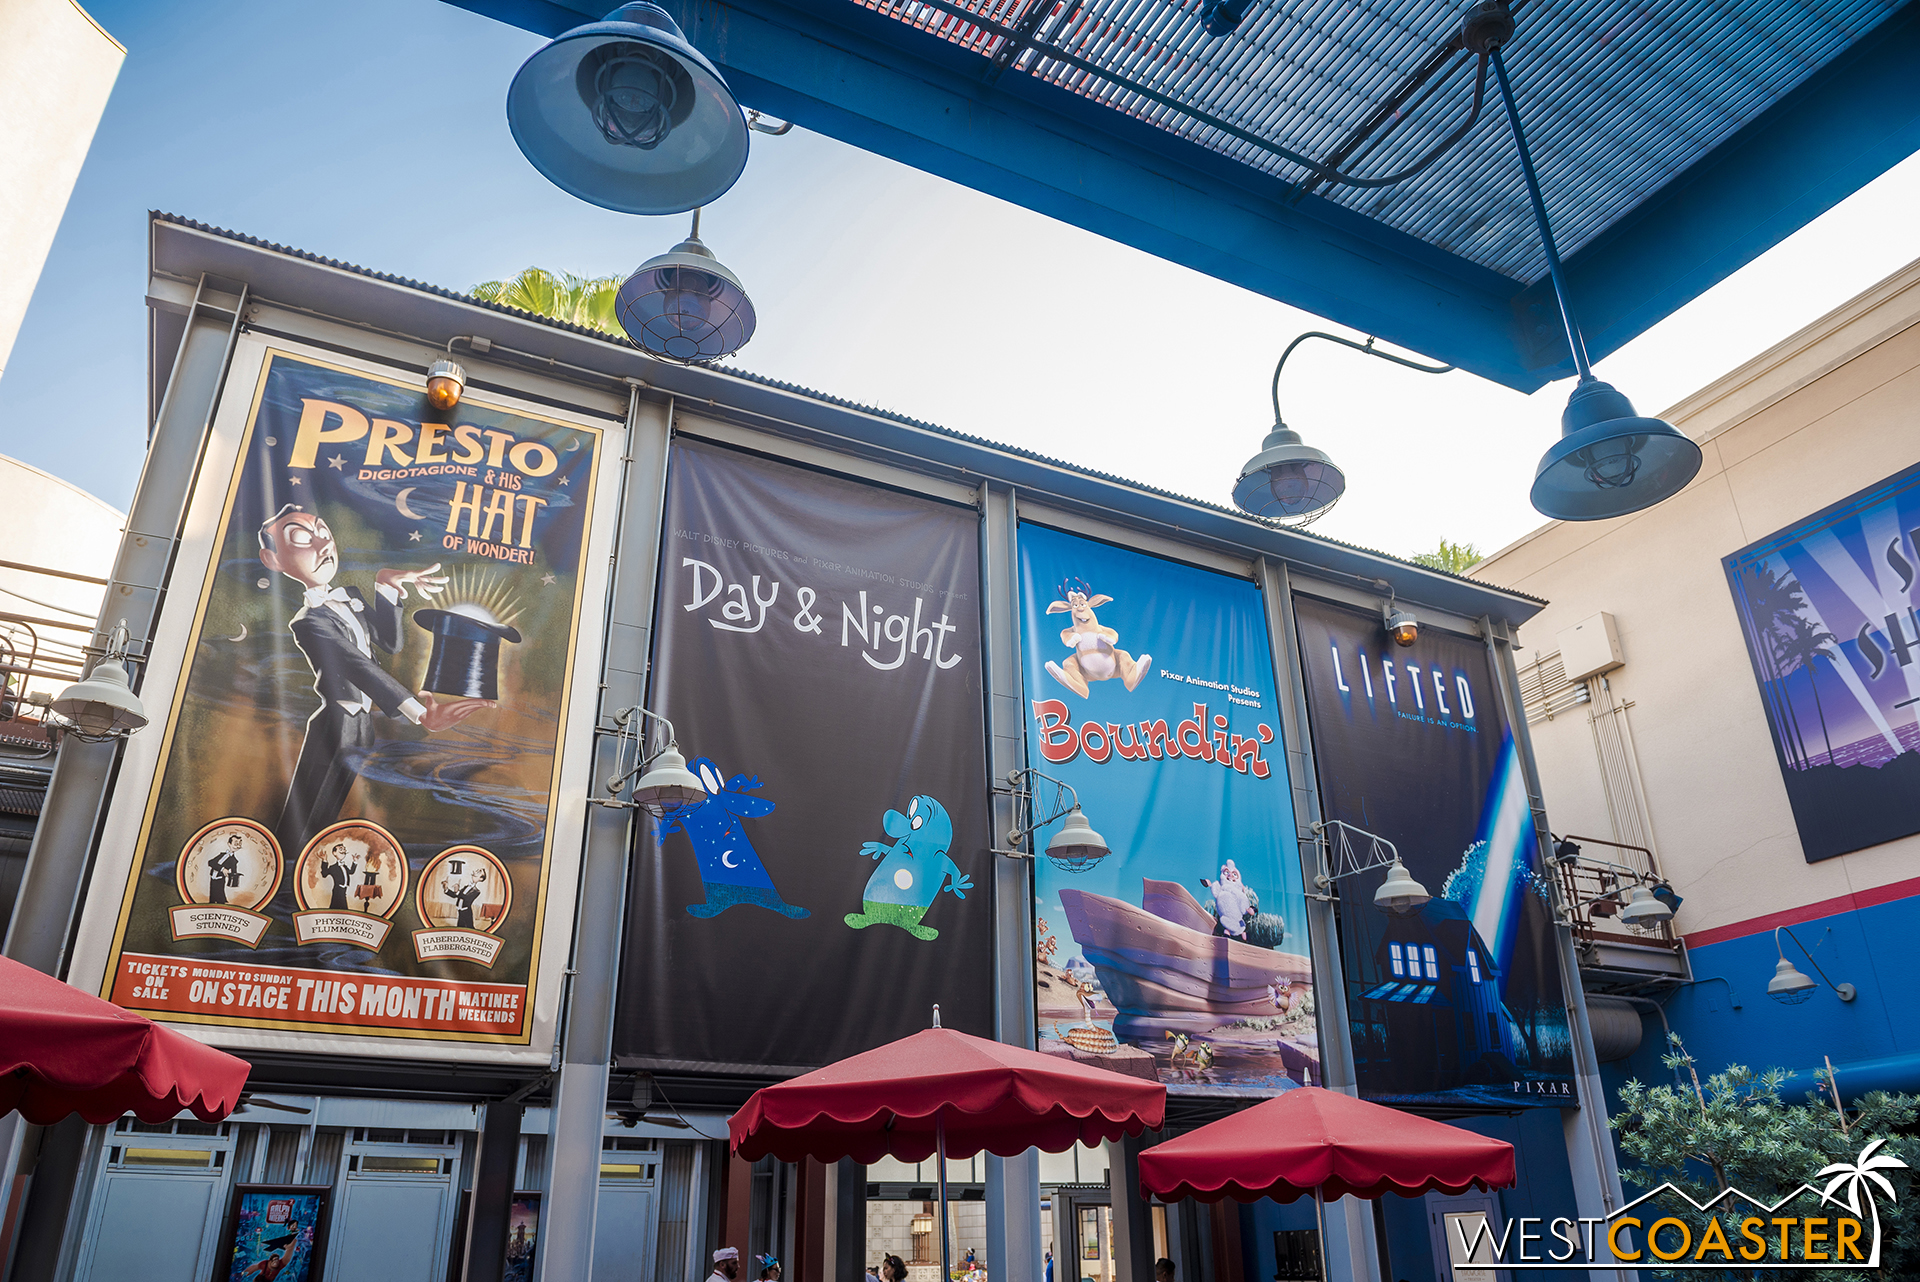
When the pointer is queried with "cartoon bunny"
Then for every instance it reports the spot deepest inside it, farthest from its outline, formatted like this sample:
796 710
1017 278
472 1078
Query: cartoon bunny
1094 657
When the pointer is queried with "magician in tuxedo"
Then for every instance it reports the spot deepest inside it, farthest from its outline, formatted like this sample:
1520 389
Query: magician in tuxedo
337 629
223 869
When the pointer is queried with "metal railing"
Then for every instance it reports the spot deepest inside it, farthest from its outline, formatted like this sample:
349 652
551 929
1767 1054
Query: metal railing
1594 890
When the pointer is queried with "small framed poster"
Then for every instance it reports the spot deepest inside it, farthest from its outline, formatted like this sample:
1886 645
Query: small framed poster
523 1234
275 1233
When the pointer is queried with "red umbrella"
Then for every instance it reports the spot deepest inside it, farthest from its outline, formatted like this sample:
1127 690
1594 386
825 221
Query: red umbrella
64 1051
1311 1140
941 1092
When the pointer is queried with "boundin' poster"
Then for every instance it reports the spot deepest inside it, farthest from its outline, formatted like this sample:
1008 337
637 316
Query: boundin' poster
817 649
1182 954
350 825
1459 1003
1827 607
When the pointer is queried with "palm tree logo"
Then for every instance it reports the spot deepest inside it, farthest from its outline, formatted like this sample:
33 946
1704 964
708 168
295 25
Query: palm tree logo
1861 1177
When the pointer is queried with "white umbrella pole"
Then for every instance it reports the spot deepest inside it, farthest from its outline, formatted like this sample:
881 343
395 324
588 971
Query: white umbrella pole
940 1144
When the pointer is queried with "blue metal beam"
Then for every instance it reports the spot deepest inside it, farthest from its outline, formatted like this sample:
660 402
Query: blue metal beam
875 83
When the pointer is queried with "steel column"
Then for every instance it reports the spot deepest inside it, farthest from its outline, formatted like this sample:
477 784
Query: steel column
63 840
580 1101
1348 1242
497 1162
1596 1172
1014 1247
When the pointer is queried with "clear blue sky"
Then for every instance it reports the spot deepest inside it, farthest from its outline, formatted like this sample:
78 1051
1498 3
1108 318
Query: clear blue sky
375 132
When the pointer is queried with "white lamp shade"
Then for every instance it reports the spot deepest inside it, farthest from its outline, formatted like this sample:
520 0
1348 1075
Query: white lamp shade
1788 985
667 783
1642 909
1076 839
103 704
1400 894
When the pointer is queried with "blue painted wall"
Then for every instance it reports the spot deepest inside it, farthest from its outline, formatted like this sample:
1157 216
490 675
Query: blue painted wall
1875 949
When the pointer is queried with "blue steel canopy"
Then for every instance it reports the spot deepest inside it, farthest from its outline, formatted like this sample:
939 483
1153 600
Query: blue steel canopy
1675 143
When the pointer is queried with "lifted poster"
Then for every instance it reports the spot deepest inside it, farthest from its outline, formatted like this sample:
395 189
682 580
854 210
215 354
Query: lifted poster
350 826
1182 954
817 649
1459 1004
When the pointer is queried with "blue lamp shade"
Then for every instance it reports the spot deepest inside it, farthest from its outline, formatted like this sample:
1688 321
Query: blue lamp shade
625 114
1609 461
1288 479
684 306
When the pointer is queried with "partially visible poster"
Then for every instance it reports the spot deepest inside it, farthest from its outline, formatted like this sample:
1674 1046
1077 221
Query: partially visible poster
1181 955
817 650
275 1232
523 1236
1459 1003
1827 607
351 823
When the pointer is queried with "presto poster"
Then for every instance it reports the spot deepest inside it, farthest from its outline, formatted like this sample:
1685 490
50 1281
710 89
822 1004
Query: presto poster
1827 607
817 651
1460 1002
1182 954
351 824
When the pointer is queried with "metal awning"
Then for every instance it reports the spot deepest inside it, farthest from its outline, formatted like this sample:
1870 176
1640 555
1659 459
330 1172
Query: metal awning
1675 143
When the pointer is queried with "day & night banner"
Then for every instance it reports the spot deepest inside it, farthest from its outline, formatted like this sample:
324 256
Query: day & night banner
817 649
1459 1003
1827 607
350 829
1182 954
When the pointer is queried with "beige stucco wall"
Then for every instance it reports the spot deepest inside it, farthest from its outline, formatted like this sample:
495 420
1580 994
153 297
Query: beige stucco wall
57 67
1824 414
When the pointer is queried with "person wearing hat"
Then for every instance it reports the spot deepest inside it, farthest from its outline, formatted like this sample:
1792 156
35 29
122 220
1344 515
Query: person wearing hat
336 629
726 1264
769 1267
223 870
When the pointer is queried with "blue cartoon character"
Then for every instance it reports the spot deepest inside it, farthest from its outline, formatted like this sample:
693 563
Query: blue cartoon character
729 865
912 871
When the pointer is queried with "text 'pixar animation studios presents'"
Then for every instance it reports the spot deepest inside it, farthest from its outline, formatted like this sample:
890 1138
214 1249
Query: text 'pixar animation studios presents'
350 826
1182 954
1460 1002
818 653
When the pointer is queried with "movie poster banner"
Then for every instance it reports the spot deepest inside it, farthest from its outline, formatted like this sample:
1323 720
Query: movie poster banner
1459 1003
817 650
1827 607
351 822
1182 954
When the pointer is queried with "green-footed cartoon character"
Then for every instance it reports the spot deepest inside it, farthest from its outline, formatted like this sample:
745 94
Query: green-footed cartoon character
912 871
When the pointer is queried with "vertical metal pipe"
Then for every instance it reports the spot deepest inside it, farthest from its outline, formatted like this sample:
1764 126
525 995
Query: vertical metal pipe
1587 1135
1554 270
940 1150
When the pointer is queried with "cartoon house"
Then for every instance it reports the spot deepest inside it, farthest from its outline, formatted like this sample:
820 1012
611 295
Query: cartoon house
1440 989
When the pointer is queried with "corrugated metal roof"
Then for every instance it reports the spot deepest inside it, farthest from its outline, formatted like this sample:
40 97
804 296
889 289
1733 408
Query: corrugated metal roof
1618 96
733 371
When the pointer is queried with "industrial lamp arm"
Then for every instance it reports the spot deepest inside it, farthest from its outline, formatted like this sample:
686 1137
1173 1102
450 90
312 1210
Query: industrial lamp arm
1367 347
1381 853
1062 807
633 730
1845 992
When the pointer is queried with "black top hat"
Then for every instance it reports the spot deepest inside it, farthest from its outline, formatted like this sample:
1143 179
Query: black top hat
466 653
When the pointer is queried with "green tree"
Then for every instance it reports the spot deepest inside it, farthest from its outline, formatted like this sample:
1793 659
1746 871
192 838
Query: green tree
1454 558
579 300
1734 1131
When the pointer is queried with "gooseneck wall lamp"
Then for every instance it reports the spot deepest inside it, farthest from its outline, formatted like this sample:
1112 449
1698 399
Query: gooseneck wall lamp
102 706
1398 896
664 784
1076 847
1609 461
1289 481
626 114
1790 986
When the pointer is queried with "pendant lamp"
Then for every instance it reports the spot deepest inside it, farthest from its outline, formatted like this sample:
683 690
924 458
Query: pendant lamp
1610 460
626 114
684 306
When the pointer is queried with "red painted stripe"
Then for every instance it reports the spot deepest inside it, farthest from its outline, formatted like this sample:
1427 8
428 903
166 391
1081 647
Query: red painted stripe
1806 912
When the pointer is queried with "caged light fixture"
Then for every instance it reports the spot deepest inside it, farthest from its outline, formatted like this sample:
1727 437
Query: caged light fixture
1790 985
684 305
1290 482
1076 847
664 784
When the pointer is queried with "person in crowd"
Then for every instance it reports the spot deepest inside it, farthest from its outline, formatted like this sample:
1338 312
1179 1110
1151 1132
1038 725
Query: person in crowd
769 1267
726 1264
1163 1270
